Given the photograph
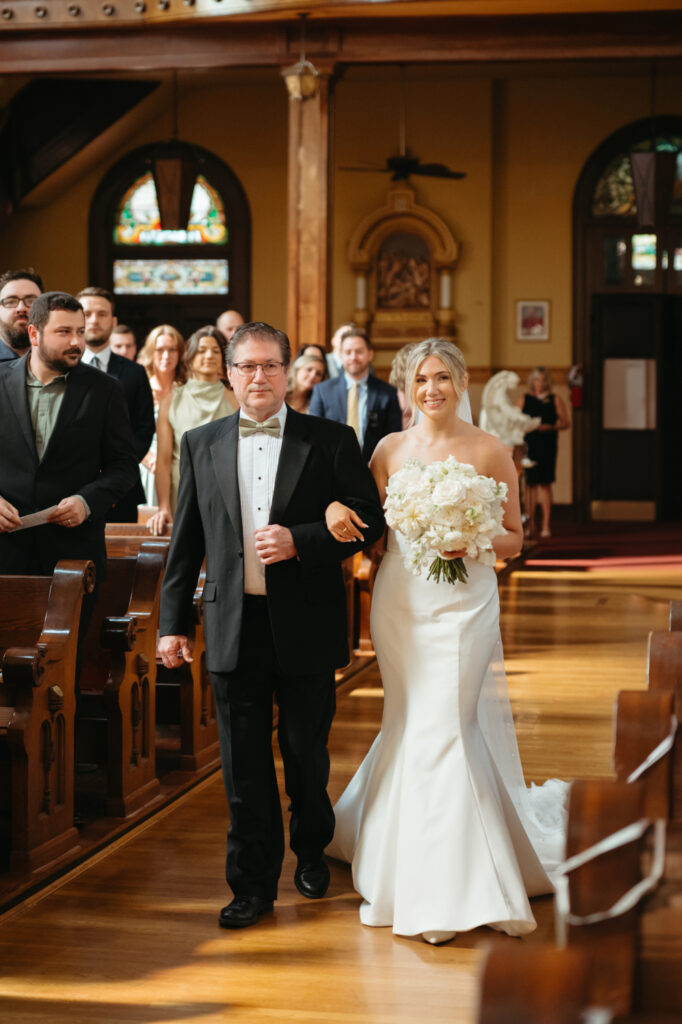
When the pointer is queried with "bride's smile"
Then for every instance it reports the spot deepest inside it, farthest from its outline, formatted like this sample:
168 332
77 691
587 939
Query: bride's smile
434 388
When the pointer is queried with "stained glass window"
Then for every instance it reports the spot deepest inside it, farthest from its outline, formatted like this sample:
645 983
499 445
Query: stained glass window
138 221
614 195
170 277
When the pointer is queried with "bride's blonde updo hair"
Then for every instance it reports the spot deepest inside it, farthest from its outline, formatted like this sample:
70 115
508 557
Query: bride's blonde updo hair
449 355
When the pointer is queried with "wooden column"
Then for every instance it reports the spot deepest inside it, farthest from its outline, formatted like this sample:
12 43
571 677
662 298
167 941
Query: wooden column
309 225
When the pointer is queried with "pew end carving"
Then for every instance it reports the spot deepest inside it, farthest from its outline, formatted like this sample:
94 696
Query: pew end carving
536 985
39 620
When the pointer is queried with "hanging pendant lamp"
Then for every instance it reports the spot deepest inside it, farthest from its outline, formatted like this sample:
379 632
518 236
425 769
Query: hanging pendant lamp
653 174
175 171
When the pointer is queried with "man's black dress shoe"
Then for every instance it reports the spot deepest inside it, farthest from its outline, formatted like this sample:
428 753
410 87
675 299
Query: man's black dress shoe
312 879
243 911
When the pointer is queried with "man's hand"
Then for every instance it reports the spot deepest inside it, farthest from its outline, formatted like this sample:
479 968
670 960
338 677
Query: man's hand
343 523
274 544
173 650
9 517
69 512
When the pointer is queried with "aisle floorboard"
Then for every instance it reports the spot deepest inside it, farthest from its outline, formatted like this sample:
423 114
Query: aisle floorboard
131 936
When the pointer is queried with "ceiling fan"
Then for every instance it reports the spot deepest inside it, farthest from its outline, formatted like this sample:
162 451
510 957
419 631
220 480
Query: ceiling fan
403 164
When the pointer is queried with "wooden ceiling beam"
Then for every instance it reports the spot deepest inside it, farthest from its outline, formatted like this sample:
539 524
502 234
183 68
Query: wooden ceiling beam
387 40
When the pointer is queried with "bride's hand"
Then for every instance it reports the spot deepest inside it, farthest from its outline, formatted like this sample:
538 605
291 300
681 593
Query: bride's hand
453 554
343 523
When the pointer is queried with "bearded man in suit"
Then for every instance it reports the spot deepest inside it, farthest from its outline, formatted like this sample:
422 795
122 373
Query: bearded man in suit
98 305
356 396
65 441
254 488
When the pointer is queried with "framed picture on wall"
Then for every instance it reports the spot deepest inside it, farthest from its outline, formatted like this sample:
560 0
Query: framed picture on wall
532 320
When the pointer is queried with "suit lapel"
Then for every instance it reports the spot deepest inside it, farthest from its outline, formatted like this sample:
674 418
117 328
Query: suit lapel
14 381
293 456
224 456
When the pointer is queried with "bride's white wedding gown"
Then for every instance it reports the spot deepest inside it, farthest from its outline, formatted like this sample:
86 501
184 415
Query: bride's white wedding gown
437 823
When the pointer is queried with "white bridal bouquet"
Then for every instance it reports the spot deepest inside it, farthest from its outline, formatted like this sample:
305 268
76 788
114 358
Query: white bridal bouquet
445 506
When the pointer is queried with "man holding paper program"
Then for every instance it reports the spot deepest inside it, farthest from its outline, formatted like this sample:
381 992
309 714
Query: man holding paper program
66 446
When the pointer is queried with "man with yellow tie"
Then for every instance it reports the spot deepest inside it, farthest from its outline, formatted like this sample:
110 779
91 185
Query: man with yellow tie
356 397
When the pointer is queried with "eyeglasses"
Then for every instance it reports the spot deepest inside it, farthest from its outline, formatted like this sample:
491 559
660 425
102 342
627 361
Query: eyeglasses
270 369
12 301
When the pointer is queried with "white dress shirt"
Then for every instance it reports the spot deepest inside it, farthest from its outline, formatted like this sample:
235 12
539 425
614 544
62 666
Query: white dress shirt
257 459
102 355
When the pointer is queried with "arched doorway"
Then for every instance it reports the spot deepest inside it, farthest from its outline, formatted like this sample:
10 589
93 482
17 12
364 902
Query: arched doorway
628 335
187 277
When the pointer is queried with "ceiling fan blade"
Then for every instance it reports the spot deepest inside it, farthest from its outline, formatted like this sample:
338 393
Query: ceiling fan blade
368 168
438 171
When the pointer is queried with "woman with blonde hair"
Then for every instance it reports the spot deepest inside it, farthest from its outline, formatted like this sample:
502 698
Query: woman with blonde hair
305 372
437 823
202 399
162 356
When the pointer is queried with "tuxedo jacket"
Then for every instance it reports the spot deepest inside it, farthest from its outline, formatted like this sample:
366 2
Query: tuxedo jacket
383 416
90 452
138 394
319 462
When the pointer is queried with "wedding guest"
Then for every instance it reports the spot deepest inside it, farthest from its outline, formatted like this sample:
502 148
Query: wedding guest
162 356
122 342
304 374
314 350
397 379
357 398
542 443
228 322
202 399
18 291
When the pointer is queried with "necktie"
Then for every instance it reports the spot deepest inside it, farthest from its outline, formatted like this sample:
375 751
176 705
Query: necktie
96 363
352 409
249 427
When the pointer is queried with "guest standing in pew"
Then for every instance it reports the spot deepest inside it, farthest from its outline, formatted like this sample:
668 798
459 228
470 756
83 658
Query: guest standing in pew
65 441
254 487
98 305
367 404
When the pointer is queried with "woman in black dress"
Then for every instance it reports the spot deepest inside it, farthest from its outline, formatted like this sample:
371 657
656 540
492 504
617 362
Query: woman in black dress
540 401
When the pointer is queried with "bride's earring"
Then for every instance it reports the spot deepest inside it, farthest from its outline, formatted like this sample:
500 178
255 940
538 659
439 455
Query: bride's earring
438 938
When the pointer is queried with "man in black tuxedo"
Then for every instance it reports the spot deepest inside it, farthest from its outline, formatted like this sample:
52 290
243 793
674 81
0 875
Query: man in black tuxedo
356 397
253 492
65 440
100 321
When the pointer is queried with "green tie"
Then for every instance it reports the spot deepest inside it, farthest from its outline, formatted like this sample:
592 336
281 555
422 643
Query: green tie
249 427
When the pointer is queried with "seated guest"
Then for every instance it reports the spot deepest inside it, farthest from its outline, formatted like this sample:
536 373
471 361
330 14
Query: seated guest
202 399
162 356
357 398
334 367
228 322
98 306
123 343
68 444
18 290
305 372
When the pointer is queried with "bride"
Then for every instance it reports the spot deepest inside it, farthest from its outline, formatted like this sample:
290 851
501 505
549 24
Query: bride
437 823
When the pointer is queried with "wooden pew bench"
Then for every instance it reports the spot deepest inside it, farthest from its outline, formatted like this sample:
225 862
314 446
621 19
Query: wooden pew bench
116 710
39 618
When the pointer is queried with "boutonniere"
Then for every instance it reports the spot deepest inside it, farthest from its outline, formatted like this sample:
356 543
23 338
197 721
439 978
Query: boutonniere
373 418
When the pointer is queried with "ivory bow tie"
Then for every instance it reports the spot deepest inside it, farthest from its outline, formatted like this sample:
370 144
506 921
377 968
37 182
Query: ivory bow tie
249 427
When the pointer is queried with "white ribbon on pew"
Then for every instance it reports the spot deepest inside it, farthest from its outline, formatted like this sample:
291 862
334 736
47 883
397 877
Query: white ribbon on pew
663 748
623 837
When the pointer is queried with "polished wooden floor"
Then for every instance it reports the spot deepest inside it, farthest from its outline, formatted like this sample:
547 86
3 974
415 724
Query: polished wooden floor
132 935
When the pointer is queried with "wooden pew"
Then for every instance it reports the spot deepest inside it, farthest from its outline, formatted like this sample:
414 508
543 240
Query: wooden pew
184 698
116 714
675 617
39 618
534 985
597 810
643 721
665 674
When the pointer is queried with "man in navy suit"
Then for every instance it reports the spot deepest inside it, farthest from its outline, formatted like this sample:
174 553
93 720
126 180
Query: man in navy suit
98 306
358 398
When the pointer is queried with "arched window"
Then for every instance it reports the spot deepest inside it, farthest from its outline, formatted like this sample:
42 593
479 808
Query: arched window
186 277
